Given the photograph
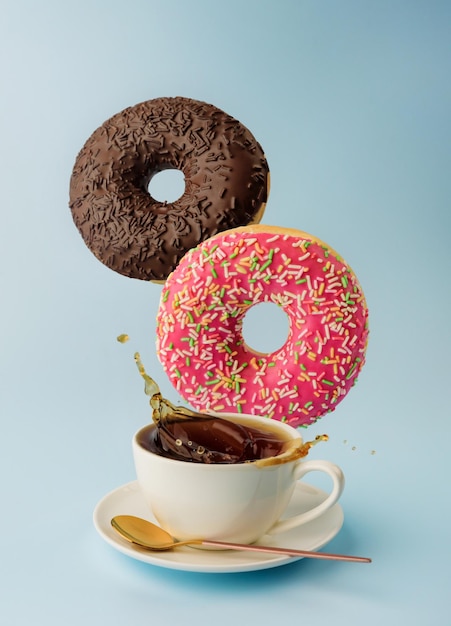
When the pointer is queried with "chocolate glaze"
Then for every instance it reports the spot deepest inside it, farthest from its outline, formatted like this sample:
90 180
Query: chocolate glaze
226 184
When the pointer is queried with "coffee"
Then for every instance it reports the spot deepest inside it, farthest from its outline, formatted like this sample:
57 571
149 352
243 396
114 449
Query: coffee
180 433
208 439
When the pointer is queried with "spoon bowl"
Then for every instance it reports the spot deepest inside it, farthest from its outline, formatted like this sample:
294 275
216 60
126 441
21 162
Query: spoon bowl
147 535
143 533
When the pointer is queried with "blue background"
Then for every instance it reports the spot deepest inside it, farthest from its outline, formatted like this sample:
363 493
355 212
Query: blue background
351 102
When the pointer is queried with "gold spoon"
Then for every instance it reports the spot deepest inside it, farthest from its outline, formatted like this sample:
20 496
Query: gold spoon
147 535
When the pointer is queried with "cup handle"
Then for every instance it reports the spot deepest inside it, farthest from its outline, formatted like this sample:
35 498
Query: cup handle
303 468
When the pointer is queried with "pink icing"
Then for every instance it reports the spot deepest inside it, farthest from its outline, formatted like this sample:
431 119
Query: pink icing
203 304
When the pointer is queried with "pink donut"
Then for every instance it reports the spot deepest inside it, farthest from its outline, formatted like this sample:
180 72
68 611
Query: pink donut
203 303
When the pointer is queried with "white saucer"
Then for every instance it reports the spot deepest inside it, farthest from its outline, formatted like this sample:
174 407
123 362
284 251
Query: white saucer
127 500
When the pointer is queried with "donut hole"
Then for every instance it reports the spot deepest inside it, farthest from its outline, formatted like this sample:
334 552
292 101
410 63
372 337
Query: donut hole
265 328
167 185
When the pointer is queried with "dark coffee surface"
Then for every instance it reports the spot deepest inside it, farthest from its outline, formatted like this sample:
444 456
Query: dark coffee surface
207 439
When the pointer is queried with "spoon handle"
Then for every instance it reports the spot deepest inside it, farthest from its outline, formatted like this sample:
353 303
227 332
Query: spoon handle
286 551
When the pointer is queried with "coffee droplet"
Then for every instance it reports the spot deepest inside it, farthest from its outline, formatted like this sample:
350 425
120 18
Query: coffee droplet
123 338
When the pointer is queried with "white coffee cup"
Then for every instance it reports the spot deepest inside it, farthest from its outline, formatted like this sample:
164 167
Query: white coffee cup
237 502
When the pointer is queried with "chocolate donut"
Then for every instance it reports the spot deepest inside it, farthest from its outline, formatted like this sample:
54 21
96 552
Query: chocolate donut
226 184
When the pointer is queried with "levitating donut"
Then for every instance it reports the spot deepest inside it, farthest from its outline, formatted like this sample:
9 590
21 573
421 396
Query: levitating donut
226 184
203 303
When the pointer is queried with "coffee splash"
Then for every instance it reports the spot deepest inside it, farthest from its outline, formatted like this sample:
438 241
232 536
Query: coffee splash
183 434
